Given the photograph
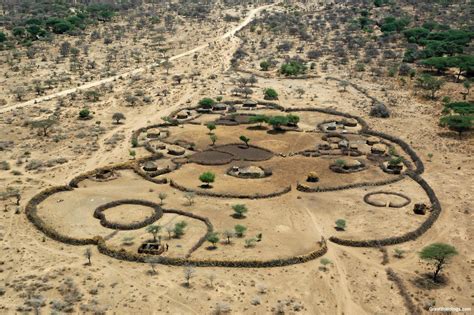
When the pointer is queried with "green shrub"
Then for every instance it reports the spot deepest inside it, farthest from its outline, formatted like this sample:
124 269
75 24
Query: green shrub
292 68
207 178
239 210
270 94
207 103
84 113
240 230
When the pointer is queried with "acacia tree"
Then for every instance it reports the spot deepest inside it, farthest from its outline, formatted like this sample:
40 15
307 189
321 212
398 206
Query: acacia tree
11 192
207 178
260 119
458 123
213 138
211 127
44 124
153 261
167 65
88 255
277 121
153 230
245 140
188 274
240 230
341 224
228 234
429 83
270 94
162 196
118 117
213 238
300 92
19 92
239 210
438 254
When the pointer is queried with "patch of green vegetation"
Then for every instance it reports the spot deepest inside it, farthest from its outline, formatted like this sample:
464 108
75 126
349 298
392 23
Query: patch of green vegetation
43 19
435 43
391 24
292 68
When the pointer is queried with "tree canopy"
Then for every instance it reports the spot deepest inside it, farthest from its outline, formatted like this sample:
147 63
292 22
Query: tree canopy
438 254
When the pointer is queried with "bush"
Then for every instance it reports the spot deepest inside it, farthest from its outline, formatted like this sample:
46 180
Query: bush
379 110
458 123
118 117
259 119
277 121
207 103
213 238
293 120
84 113
240 230
341 224
292 68
404 69
239 210
264 65
179 229
207 178
395 161
270 94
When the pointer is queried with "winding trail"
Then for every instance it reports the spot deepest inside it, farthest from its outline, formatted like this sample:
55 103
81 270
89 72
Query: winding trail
93 84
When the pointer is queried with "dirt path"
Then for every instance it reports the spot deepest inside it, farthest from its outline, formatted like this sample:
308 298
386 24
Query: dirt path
89 85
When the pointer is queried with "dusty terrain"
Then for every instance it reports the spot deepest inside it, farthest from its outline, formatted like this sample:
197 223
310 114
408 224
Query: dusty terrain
354 283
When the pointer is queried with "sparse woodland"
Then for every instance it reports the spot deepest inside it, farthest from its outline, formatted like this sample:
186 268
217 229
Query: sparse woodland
317 136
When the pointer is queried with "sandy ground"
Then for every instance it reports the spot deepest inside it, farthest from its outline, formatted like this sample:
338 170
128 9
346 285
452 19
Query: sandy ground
355 282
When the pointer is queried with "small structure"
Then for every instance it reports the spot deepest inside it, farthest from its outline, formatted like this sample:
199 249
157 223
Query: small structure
219 107
204 110
153 135
104 174
324 146
420 208
378 149
182 115
312 177
372 140
347 166
343 144
333 146
331 126
150 166
151 248
249 104
249 172
353 146
352 164
175 150
158 146
349 122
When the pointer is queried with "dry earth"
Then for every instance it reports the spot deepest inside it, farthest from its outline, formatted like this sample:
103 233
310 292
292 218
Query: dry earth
355 282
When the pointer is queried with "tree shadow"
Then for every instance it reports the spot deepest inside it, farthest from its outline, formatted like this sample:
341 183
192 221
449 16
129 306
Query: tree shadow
238 217
257 128
425 281
455 136
204 186
276 131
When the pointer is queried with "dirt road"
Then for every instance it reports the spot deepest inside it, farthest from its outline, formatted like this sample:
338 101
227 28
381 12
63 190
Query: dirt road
93 84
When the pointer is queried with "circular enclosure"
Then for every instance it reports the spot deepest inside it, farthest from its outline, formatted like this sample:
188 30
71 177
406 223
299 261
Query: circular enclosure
99 214
247 153
249 172
399 200
211 157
